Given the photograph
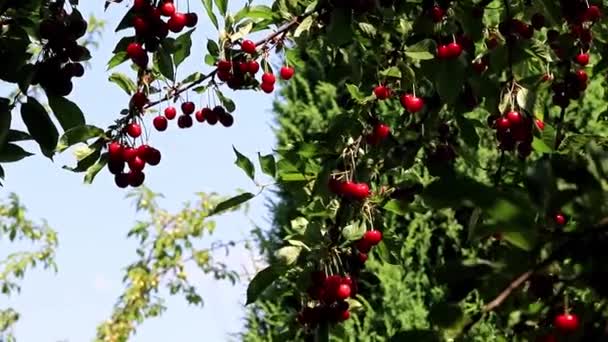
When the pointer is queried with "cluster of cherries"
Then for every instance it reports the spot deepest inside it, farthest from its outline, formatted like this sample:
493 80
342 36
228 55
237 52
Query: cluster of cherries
349 189
364 245
514 129
444 151
150 28
409 101
331 293
61 52
206 114
240 72
135 158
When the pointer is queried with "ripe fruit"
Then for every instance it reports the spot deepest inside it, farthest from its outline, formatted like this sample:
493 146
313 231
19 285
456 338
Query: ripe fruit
382 92
188 107
546 338
582 59
503 124
224 65
136 178
227 120
515 118
134 130
170 113
139 100
412 103
566 323
373 237
115 150
152 156
267 87
581 75
268 78
593 13
199 116
381 131
253 67
121 180
454 50
248 46
167 8
479 66
140 25
539 124
362 257
184 121
137 164
343 291
287 72
358 191
437 13
560 219
177 22
129 153
443 52
491 42
135 51
160 123
191 19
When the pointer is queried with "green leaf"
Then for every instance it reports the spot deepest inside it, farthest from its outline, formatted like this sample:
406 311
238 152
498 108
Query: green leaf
261 282
526 99
393 72
288 255
303 27
368 28
16 135
210 60
540 146
164 62
209 8
12 153
397 207
86 161
226 102
222 5
268 164
123 43
194 77
244 163
213 48
423 50
77 135
5 121
232 202
354 231
355 93
449 79
40 126
124 82
67 112
183 45
127 20
254 12
95 168
117 60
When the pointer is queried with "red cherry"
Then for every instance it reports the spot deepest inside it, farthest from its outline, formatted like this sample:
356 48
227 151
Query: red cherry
593 13
357 191
515 118
224 65
335 186
343 291
503 124
115 150
363 246
443 52
116 166
287 72
184 121
412 103
582 59
539 124
191 19
177 22
491 43
381 132
373 237
139 100
199 116
248 46
121 180
581 75
137 164
167 8
134 130
129 153
560 219
268 78
524 149
479 66
136 178
437 14
343 315
170 113
135 51
382 92
141 61
253 67
546 338
140 25
566 323
454 50
152 156
267 87
362 257
188 107
160 123
139 5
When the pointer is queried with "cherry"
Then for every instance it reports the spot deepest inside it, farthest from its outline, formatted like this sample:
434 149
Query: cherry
139 100
135 51
134 130
199 116
212 117
167 8
287 72
515 118
191 19
224 65
267 87
116 166
443 52
227 120
357 191
479 66
136 178
524 149
546 338
581 75
412 103
140 25
582 59
170 113
503 124
188 107
382 92
437 13
248 46
177 22
160 123
560 219
115 151
343 315
492 43
121 180
454 50
184 121
129 153
343 291
268 78
373 237
363 246
152 156
253 67
381 131
538 21
593 13
566 323
137 164
140 5
539 124
362 257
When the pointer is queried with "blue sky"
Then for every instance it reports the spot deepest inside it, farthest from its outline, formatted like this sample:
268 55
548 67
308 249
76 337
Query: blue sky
92 220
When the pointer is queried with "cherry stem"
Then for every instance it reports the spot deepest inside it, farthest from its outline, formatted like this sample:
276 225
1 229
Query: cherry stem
566 306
